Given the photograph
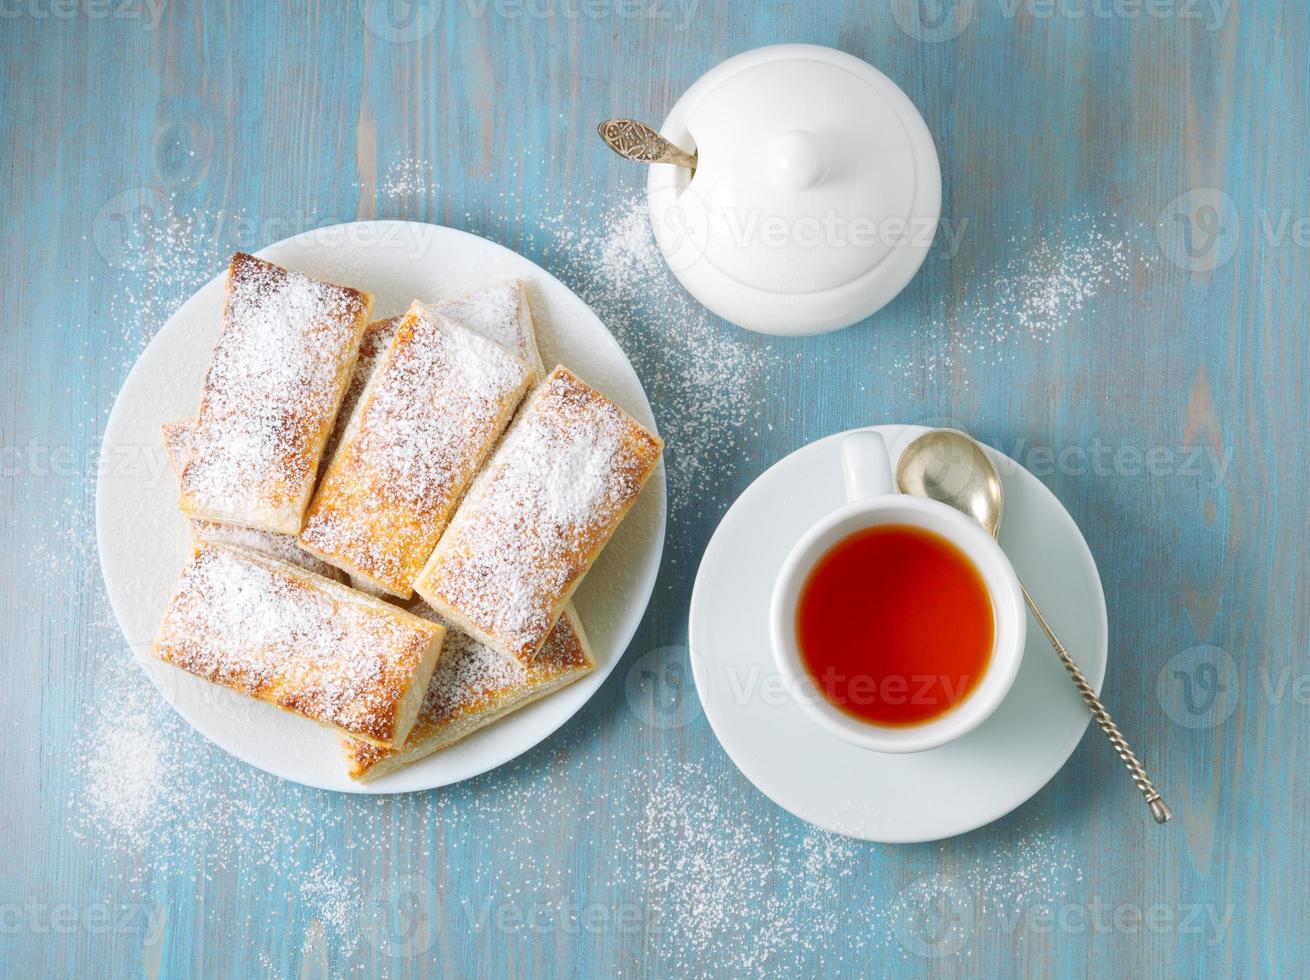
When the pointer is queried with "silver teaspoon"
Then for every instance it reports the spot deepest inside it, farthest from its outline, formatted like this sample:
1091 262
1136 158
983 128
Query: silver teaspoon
637 141
950 467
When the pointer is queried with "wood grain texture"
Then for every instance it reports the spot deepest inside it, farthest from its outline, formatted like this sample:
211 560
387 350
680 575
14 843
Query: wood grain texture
1182 127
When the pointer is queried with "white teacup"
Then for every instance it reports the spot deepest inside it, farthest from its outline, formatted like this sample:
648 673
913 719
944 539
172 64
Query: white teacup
872 501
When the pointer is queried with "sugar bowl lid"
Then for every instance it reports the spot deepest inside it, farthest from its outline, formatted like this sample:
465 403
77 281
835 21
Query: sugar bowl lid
816 192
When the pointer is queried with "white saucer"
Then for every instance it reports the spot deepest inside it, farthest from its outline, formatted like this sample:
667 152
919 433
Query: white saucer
144 540
829 783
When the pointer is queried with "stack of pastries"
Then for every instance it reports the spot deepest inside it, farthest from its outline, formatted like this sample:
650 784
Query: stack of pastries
389 517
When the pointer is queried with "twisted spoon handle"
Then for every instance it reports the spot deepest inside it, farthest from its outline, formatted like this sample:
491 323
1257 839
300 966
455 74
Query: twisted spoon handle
1159 809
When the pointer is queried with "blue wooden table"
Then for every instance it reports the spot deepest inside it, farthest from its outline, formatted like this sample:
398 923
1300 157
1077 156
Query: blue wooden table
1117 298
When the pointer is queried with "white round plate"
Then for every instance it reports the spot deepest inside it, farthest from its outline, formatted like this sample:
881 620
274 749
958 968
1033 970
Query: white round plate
144 540
829 783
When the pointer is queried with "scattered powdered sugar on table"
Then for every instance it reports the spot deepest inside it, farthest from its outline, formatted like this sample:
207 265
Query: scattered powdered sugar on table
1030 867
407 178
155 259
733 888
698 874
1038 295
336 902
125 771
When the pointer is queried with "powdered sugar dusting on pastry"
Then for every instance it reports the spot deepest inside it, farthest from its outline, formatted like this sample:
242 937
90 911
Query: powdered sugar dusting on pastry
271 395
177 445
433 409
498 312
471 672
296 640
539 514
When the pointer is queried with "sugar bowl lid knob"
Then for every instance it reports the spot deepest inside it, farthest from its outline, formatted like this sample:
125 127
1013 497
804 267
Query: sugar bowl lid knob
798 160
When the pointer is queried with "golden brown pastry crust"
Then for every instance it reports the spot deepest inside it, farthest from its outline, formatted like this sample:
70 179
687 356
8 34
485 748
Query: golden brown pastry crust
548 501
432 411
271 395
309 645
474 686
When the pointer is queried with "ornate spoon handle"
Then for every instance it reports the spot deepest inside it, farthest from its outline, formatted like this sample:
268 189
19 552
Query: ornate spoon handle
637 141
1159 809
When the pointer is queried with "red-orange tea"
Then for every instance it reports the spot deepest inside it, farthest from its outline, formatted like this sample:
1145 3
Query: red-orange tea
894 623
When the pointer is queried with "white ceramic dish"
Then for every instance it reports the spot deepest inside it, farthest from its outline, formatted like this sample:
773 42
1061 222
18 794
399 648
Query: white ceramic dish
816 195
822 779
144 541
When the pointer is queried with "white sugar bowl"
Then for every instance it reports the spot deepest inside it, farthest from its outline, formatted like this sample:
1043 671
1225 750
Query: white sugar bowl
816 192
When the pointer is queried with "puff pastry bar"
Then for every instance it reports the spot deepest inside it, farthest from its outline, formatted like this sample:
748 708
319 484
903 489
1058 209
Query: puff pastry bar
268 403
433 409
474 686
177 445
499 312
374 343
548 501
307 644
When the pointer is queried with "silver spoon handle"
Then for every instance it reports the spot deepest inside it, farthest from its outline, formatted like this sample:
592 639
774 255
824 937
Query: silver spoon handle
1159 809
637 141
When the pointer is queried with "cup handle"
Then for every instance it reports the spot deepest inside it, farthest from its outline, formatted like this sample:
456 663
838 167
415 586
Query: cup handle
866 467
